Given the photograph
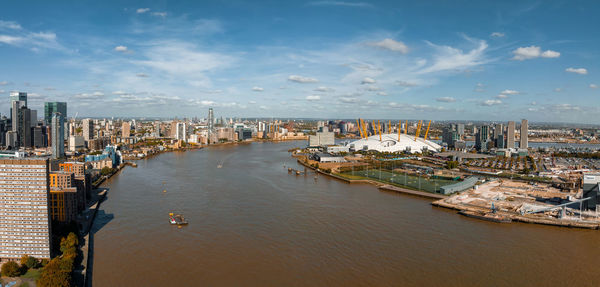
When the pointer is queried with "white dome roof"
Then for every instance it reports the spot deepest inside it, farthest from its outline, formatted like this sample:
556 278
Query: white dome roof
390 143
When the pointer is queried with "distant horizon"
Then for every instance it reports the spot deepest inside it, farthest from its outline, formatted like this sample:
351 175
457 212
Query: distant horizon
319 59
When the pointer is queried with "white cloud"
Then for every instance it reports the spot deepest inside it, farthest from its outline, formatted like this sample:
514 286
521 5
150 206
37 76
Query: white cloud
390 44
324 89
142 10
160 14
550 54
382 94
491 102
446 99
9 25
558 90
501 96
497 35
368 80
406 84
509 92
340 3
257 89
184 61
92 96
121 49
4 83
581 71
452 59
302 80
532 52
313 98
142 75
593 86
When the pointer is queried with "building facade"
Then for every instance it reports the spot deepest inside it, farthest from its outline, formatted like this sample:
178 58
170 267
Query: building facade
25 227
58 136
54 107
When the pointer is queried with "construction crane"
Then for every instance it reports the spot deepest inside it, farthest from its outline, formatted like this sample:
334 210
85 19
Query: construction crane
563 206
427 132
418 130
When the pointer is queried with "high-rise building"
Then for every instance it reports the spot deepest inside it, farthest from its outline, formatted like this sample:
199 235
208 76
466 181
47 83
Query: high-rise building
33 120
460 128
211 119
25 226
58 136
21 124
54 107
181 131
482 137
17 96
88 129
510 135
125 129
15 111
524 128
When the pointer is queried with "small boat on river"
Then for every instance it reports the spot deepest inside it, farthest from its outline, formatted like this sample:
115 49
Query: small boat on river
177 219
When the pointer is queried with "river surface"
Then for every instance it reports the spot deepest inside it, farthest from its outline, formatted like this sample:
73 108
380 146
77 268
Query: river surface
253 224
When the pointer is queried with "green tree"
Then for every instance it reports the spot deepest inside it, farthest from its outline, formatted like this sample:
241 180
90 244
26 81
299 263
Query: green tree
29 262
106 170
53 276
10 269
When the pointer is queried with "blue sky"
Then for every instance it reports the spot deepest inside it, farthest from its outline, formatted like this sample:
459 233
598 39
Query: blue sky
441 60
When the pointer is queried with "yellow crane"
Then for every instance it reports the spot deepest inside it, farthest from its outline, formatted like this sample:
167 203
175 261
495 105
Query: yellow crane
406 127
427 132
389 127
379 130
399 128
364 128
418 130
359 129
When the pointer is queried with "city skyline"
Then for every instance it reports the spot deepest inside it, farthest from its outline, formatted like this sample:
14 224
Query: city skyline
469 61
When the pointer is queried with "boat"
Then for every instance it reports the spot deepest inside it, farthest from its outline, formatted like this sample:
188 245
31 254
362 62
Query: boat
177 219
487 216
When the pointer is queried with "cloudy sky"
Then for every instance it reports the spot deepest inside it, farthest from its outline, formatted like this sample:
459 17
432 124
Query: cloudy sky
467 60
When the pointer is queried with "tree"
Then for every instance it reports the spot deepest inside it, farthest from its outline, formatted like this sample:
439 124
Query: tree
53 276
106 170
29 261
10 269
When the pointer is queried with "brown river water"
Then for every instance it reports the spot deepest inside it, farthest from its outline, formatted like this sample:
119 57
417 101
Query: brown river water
253 224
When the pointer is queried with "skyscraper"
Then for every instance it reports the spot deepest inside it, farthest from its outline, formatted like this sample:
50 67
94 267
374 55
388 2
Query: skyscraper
125 130
510 135
17 96
25 228
15 110
88 129
524 128
54 107
58 136
211 119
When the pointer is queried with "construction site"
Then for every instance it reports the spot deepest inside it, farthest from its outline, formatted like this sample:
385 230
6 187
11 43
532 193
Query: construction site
506 201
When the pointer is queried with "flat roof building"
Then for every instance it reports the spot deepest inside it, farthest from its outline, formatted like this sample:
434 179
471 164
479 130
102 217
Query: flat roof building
24 196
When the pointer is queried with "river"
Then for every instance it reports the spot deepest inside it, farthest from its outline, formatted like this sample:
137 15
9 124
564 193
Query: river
253 224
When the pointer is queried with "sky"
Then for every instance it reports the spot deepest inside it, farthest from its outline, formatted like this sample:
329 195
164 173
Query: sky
439 60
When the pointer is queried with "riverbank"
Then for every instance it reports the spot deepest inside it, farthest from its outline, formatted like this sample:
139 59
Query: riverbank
380 185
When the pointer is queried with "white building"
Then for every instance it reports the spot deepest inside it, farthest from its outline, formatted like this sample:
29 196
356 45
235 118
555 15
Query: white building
390 143
76 143
323 138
